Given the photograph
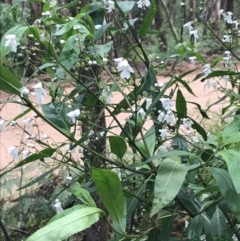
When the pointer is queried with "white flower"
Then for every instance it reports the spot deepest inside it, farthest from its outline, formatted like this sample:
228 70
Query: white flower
2 126
160 116
13 152
24 91
110 6
69 177
228 17
169 117
166 103
90 62
186 224
13 123
76 27
98 26
105 60
226 60
192 59
39 92
47 14
143 3
163 133
227 38
221 11
30 145
11 41
159 85
189 25
106 95
187 123
148 103
141 113
94 62
228 53
236 24
207 69
195 34
62 41
195 139
25 153
124 67
58 206
27 122
163 148
74 114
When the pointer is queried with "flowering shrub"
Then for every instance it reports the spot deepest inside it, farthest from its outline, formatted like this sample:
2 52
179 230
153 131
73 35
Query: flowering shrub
163 177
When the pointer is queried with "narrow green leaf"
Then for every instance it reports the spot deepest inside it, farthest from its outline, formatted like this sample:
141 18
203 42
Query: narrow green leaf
118 146
36 180
195 227
134 200
65 212
199 129
147 21
72 223
170 177
169 154
227 189
150 140
232 158
218 224
36 156
109 189
185 84
9 82
181 105
83 195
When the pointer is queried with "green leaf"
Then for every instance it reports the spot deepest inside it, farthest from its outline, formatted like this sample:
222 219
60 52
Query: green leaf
83 195
99 32
170 177
181 105
218 224
64 227
67 27
70 53
227 189
118 146
109 189
9 82
101 50
126 6
147 21
232 158
57 114
150 140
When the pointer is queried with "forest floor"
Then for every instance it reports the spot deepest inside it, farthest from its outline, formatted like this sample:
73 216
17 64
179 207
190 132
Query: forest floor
15 136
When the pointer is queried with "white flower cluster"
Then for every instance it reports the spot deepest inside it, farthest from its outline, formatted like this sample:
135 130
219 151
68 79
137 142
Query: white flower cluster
193 32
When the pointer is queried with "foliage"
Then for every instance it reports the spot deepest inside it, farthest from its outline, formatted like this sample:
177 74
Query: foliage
159 175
